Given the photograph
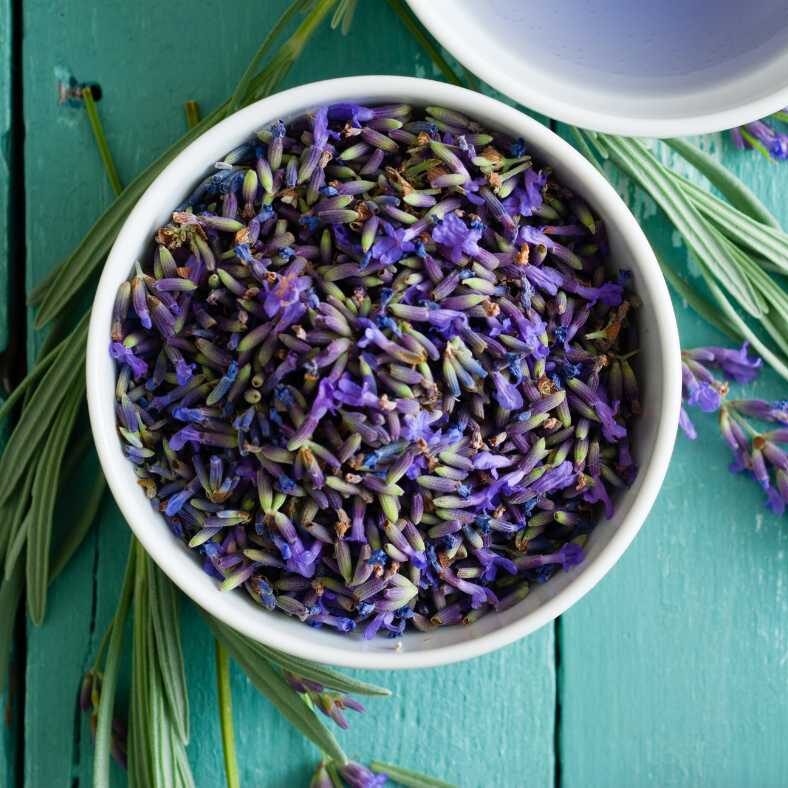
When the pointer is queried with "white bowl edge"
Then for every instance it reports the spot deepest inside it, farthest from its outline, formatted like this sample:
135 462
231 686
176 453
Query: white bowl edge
275 629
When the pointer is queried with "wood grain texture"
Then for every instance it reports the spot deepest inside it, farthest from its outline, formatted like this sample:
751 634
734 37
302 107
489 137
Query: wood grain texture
9 702
149 58
674 671
7 191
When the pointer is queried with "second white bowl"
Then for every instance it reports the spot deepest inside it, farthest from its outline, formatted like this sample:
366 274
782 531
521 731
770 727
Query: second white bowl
664 68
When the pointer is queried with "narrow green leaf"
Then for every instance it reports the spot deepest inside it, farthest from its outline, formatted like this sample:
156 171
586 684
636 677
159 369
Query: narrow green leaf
183 772
35 422
582 145
79 530
109 679
10 595
755 143
775 327
772 292
242 88
42 507
315 672
163 603
6 512
635 159
140 760
17 544
699 304
408 777
157 756
762 239
271 684
41 366
57 290
423 40
101 140
729 185
226 715
15 523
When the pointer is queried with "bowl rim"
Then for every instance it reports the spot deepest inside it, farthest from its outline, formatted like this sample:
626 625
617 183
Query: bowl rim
102 408
552 105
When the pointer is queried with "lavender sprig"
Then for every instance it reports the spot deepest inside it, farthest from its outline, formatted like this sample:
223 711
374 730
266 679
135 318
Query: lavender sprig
755 451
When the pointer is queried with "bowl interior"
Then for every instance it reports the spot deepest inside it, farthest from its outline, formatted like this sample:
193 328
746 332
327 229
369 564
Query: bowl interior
627 66
654 433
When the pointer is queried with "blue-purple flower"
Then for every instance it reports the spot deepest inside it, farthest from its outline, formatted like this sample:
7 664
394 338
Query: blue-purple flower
456 238
755 452
771 142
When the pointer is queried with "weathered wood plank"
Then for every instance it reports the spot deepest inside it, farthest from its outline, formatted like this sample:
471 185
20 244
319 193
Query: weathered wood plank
9 700
460 721
673 671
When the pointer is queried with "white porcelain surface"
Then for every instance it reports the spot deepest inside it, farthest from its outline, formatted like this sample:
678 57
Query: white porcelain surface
660 68
659 360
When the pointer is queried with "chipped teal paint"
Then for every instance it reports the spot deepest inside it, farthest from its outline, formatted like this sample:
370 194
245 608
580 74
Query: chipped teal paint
672 671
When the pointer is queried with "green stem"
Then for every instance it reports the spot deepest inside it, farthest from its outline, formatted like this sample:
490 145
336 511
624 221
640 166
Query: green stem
110 679
756 144
739 419
236 100
192 109
408 777
103 643
729 185
424 42
101 140
226 715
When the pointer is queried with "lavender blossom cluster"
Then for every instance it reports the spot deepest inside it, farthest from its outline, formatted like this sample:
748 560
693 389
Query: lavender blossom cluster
756 451
377 372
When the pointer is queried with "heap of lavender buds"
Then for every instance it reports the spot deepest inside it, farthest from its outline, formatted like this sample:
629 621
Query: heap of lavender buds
376 371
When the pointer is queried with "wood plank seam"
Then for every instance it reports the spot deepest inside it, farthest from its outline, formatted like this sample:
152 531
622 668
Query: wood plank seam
12 362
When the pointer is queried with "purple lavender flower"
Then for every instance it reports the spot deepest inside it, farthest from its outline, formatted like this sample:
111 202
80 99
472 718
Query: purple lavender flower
527 199
735 364
755 453
125 355
456 237
686 425
762 137
357 775
285 292
393 245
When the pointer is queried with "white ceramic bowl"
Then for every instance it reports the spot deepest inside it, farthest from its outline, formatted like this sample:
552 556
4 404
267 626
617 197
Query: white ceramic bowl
661 68
655 432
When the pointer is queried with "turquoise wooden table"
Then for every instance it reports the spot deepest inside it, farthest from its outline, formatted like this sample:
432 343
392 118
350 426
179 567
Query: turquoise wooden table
672 672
